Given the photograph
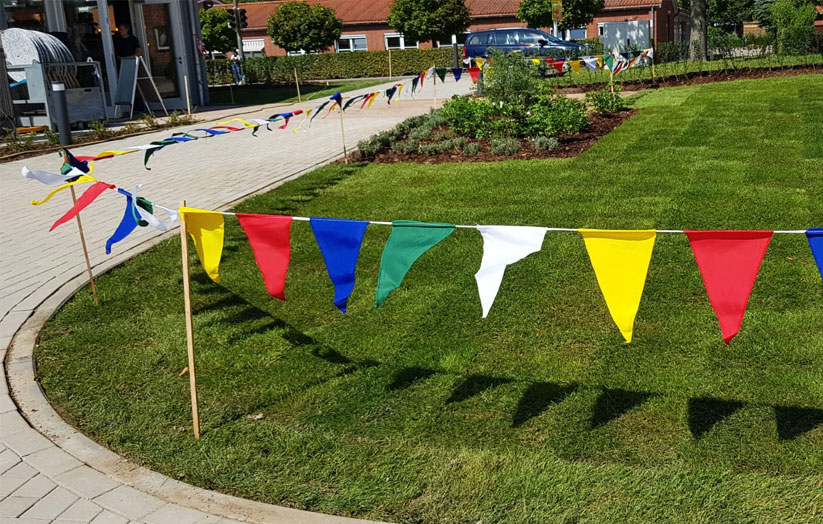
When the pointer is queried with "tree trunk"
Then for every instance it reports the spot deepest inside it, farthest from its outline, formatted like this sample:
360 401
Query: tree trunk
697 40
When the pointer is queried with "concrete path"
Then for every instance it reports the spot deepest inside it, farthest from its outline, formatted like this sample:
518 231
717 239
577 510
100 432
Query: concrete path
48 471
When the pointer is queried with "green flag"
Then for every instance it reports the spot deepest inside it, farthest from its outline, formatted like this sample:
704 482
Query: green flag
441 73
608 61
408 240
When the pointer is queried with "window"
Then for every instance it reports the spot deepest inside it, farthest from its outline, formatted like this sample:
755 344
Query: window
600 29
396 41
530 38
351 43
506 38
480 39
577 34
254 47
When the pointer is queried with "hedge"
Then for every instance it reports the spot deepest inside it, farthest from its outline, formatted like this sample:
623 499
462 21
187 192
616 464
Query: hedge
361 64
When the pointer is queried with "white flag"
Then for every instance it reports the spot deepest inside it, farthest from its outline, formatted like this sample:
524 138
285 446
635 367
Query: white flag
51 179
591 63
503 245
160 225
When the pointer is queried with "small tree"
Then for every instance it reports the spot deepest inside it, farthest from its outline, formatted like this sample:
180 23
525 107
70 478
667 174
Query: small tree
298 25
576 13
794 26
423 20
217 35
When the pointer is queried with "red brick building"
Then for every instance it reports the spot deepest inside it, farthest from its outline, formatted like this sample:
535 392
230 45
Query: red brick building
622 23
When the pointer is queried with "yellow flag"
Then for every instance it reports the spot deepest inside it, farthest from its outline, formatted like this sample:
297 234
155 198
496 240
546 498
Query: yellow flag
117 152
206 229
575 65
80 180
535 61
620 259
245 123
371 100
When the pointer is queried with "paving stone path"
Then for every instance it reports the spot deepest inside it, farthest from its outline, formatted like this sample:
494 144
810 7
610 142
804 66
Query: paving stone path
48 471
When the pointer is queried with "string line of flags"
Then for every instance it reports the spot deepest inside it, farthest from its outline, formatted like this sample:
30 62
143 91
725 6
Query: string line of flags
613 62
728 261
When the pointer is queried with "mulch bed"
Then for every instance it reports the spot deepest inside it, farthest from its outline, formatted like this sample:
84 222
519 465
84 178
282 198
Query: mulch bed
569 146
704 77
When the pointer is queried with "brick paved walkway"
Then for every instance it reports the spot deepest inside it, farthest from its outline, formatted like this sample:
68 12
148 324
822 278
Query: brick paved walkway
52 473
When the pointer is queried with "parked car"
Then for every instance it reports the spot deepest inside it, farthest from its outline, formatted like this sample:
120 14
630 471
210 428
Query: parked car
531 42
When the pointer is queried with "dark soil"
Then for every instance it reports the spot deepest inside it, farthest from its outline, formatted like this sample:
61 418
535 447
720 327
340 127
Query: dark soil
704 77
569 145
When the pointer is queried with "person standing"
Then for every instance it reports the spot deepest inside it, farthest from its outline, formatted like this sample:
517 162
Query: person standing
125 43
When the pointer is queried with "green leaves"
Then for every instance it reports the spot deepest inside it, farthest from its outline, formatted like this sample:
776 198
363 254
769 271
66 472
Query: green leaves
297 25
576 13
423 20
217 35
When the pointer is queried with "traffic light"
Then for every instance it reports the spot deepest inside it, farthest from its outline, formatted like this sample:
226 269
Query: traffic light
232 18
244 22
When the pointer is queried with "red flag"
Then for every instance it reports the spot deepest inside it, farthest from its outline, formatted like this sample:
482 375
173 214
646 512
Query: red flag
85 199
558 64
474 72
729 262
230 128
270 240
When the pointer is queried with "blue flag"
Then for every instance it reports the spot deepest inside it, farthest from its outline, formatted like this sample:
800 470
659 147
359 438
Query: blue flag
415 81
390 93
127 225
340 242
337 97
457 72
70 159
815 236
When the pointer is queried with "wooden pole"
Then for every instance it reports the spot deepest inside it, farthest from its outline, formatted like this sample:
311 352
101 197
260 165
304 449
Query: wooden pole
85 250
389 65
611 78
184 250
297 83
188 96
652 57
343 136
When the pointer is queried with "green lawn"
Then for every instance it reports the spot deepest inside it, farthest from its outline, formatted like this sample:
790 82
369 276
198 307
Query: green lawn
421 411
257 95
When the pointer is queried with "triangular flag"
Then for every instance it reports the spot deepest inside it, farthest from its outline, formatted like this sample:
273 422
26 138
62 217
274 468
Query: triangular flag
441 73
591 63
729 262
206 229
340 242
575 65
126 226
474 72
620 259
352 100
408 241
270 239
815 237
82 165
558 64
337 97
608 62
53 179
503 245
78 180
415 81
390 93
85 199
457 72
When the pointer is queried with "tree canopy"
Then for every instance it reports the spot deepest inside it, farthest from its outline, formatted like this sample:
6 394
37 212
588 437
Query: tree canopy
298 25
576 13
424 20
217 35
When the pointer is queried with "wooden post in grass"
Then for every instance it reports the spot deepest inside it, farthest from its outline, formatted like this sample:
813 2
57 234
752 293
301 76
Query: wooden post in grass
297 83
434 86
652 59
389 64
184 250
611 78
188 96
85 250
343 134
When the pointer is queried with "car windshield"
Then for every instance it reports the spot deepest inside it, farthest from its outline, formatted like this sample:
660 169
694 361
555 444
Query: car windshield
550 38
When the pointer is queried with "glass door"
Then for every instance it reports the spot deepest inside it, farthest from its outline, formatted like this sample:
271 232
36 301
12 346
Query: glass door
164 54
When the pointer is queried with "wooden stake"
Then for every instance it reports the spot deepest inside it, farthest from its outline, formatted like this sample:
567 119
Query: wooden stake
297 83
343 136
389 65
652 57
611 78
188 96
184 250
85 250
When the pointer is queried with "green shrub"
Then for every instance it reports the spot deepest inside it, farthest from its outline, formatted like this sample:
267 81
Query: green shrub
468 116
457 143
279 70
472 148
545 143
595 46
504 146
794 25
99 131
510 78
553 115
671 51
432 149
604 102
368 149
443 135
